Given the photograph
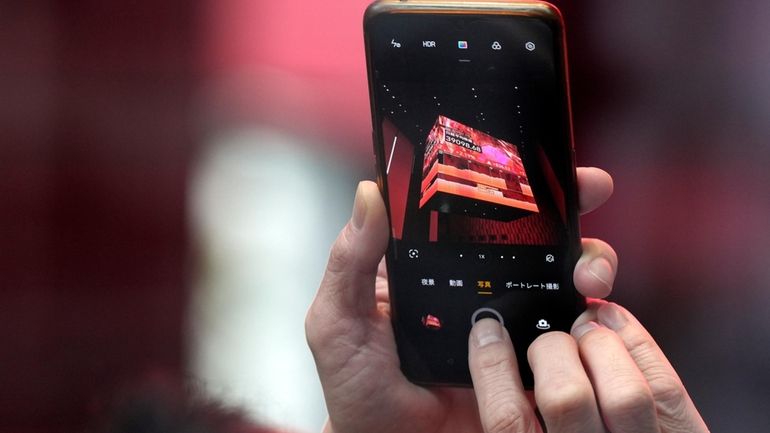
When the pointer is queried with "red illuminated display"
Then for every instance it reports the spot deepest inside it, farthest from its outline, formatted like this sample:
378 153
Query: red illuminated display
466 171
431 322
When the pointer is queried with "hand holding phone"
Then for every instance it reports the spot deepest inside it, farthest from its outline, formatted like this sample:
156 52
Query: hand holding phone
350 334
350 323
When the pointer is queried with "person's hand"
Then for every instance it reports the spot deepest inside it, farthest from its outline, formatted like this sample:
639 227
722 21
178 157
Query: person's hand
349 330
608 376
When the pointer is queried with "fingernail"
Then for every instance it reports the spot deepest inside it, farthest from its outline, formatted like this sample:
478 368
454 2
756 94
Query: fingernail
583 329
601 269
487 331
611 316
359 209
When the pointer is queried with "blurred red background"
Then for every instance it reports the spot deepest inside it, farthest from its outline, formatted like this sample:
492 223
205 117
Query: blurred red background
105 107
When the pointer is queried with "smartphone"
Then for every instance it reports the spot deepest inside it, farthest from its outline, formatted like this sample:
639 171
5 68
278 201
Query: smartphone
473 142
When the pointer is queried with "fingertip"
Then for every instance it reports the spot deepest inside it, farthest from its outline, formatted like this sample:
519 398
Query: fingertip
590 314
368 222
584 328
594 278
500 396
376 215
597 175
613 316
360 207
546 341
595 187
485 332
596 269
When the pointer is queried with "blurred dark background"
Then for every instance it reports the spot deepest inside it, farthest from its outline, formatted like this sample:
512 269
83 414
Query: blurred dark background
172 174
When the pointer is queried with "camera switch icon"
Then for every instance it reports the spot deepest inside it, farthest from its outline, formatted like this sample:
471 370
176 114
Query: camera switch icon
543 324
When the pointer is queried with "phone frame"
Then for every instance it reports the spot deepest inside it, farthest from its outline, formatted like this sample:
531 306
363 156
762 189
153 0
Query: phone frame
537 9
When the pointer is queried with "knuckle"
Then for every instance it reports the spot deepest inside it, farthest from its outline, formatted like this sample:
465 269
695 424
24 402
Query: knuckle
505 416
312 331
494 361
566 400
340 254
642 348
668 393
629 400
666 389
323 328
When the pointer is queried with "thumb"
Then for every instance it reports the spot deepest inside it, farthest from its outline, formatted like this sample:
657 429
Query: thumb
347 288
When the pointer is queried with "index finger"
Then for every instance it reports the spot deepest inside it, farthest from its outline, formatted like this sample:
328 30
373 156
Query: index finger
503 405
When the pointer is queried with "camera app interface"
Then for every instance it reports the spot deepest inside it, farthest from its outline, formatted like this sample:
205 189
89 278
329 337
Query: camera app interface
472 118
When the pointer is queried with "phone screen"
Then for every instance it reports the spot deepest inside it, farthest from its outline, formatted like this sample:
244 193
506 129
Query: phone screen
473 142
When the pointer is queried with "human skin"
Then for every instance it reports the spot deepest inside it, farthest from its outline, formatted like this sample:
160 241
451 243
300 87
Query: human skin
349 331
